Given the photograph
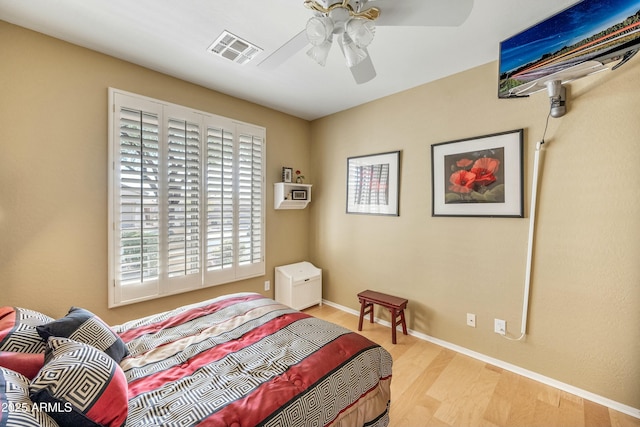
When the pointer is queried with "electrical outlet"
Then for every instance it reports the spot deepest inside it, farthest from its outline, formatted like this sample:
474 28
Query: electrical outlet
471 320
500 326
267 285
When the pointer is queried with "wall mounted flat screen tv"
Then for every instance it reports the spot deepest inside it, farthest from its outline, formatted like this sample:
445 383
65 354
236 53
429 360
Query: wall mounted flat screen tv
573 43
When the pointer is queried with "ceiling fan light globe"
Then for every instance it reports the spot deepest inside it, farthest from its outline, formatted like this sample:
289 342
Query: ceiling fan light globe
319 29
352 53
361 31
320 53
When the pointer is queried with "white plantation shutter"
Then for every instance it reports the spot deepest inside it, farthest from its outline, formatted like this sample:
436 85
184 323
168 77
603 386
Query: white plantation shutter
139 176
220 203
186 199
183 207
250 201
235 202
135 246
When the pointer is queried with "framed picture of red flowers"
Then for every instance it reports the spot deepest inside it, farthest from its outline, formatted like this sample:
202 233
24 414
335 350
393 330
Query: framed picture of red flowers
480 176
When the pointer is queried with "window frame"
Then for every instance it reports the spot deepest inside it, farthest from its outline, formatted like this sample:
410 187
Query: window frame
249 136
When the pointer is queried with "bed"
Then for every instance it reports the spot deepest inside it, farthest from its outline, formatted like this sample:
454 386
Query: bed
236 360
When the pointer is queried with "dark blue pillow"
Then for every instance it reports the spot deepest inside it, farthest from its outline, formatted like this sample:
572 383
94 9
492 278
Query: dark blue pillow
83 326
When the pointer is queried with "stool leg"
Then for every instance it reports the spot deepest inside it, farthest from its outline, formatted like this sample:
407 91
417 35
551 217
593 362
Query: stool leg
362 305
404 324
394 313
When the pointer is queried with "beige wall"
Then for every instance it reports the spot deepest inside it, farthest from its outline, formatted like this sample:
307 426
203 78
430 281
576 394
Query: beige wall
584 315
53 174
585 293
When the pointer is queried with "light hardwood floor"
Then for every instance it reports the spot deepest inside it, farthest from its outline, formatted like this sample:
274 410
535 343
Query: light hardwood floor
434 386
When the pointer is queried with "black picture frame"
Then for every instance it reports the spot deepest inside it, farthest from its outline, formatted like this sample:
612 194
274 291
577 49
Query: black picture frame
298 194
287 174
479 177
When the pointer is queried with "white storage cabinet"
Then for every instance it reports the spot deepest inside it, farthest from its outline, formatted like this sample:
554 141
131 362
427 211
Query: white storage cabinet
299 285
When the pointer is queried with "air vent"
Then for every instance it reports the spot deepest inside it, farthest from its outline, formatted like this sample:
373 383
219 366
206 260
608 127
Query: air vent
234 48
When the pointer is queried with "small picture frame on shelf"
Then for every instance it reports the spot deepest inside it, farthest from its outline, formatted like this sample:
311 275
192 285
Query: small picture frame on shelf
287 174
299 195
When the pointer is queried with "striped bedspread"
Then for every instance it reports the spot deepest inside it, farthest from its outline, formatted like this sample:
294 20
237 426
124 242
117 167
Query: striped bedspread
246 360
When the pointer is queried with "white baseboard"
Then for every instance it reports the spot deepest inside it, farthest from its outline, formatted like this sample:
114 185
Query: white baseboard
617 406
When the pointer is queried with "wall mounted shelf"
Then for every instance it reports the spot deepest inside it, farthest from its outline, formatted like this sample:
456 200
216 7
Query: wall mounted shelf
285 196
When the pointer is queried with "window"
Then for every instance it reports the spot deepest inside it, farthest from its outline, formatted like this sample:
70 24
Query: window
186 199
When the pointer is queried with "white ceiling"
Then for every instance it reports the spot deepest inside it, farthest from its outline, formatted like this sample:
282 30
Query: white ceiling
172 36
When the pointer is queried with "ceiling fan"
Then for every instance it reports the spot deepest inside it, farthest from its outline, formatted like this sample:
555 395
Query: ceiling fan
351 23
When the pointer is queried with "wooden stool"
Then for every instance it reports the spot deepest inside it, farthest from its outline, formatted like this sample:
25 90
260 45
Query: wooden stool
395 305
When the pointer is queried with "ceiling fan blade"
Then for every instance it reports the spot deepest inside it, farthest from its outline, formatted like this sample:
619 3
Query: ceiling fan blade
286 51
364 71
422 13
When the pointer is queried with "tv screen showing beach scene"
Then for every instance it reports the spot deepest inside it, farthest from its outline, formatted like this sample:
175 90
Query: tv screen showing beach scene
591 30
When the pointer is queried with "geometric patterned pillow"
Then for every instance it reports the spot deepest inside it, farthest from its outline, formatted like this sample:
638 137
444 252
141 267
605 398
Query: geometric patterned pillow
18 330
17 408
83 326
88 386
